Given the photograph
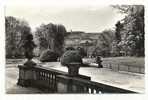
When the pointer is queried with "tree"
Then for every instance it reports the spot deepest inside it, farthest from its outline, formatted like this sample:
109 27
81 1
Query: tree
51 36
115 47
117 31
132 34
59 39
16 30
104 43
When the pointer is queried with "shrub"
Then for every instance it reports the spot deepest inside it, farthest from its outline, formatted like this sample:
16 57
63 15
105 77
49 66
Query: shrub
71 56
48 56
16 56
70 48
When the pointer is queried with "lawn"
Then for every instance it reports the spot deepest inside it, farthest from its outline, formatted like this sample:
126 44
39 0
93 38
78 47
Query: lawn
127 61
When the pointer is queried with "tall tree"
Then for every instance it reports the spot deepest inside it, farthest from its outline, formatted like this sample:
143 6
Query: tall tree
117 31
16 30
132 34
51 36
104 43
115 47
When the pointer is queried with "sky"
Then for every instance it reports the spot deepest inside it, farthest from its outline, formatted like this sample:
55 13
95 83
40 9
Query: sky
87 18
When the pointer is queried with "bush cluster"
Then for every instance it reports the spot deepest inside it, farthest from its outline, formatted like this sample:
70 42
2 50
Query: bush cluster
71 56
48 56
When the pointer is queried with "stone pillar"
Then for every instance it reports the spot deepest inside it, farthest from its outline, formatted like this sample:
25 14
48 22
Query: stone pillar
73 69
26 74
66 84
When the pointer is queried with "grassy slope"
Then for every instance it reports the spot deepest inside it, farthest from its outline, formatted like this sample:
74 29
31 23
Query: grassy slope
127 61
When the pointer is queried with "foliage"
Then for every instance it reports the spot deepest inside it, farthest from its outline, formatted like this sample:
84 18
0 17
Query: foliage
125 9
104 44
16 30
71 56
70 48
117 31
48 56
115 47
132 32
51 36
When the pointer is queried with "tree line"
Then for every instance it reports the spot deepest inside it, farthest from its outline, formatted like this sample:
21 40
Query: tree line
49 36
127 39
16 31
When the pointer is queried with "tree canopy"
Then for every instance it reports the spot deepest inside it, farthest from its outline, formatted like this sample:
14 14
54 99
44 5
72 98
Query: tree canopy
51 36
16 30
131 30
104 43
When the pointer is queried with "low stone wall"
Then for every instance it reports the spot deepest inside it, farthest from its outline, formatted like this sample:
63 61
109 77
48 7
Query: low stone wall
54 81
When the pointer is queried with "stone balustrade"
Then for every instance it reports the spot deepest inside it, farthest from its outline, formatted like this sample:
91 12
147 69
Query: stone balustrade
55 81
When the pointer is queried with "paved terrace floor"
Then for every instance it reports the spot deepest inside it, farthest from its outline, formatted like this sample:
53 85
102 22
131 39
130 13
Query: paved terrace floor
11 82
125 80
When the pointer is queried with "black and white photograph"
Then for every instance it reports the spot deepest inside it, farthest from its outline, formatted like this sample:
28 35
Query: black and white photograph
73 49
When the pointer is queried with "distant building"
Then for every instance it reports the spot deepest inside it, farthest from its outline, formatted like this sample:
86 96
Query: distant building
81 39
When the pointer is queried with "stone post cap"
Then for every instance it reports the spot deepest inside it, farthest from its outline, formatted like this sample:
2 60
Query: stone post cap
74 64
27 65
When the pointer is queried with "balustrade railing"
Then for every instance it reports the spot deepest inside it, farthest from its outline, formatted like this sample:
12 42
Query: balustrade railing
85 86
55 81
45 79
